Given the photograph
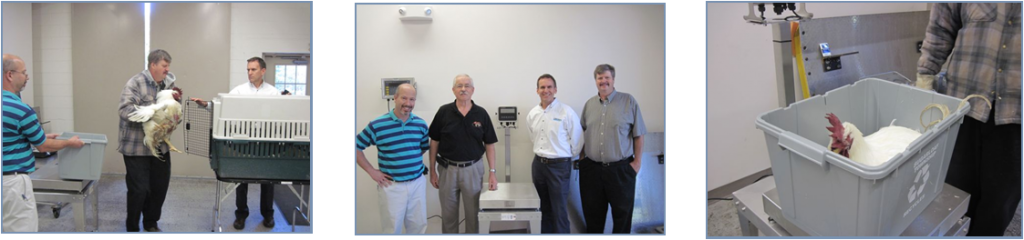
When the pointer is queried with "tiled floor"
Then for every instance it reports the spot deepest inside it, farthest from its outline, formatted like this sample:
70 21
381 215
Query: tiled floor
188 208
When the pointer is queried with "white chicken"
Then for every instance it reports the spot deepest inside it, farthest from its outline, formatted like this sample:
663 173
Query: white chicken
159 119
873 150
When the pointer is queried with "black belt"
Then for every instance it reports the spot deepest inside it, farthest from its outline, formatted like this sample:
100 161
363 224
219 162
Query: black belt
545 160
615 163
448 162
14 173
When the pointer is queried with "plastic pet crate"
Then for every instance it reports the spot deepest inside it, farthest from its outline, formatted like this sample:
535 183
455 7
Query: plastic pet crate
261 137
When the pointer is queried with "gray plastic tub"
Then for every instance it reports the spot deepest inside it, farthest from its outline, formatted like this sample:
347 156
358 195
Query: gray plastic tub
826 194
84 163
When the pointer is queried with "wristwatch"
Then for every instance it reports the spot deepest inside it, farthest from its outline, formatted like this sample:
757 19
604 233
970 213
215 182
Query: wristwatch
492 170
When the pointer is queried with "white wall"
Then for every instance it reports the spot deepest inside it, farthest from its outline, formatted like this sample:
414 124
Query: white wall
107 49
504 48
266 27
741 83
17 30
52 34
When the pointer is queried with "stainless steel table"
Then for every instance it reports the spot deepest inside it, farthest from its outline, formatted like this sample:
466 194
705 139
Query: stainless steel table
758 210
511 202
50 189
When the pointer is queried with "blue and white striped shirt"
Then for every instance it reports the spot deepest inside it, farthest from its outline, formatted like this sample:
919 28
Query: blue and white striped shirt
400 145
21 127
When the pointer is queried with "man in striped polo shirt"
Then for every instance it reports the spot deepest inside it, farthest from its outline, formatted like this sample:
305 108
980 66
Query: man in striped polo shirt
21 128
401 139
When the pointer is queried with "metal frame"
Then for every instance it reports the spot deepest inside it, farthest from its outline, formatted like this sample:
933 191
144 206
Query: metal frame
198 129
498 205
857 39
784 79
227 187
943 217
508 125
50 189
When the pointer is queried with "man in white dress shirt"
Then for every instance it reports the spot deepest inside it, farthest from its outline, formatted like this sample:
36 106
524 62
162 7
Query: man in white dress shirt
255 68
557 140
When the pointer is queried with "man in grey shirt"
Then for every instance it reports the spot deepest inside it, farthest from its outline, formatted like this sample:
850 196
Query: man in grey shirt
146 176
613 130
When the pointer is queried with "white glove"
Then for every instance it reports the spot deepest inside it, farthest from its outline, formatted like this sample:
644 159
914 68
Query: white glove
925 81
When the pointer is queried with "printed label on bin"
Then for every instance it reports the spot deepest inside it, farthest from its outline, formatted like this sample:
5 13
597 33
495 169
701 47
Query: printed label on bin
508 216
922 172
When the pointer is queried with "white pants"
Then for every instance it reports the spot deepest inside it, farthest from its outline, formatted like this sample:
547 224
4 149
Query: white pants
19 203
404 203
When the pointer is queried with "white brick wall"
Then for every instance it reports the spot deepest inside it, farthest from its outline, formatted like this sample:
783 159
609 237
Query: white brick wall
17 40
266 27
53 20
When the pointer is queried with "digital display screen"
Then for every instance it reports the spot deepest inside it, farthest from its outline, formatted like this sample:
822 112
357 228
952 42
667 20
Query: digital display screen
508 110
389 86
394 85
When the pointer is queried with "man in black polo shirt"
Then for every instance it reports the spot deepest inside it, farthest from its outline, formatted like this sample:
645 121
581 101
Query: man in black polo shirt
459 134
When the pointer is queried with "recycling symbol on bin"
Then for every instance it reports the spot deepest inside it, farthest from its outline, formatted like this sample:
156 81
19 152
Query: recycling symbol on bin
915 190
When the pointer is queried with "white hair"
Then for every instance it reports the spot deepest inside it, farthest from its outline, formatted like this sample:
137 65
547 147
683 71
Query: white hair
461 75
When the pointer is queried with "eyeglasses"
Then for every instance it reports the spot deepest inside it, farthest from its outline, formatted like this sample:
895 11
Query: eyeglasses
25 72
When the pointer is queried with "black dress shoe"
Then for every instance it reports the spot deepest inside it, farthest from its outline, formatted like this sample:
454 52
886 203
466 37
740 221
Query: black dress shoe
154 229
239 223
268 222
